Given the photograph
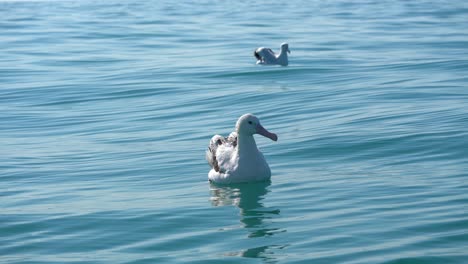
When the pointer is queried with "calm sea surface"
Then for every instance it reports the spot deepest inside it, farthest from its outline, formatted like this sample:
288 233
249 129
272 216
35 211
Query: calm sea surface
107 107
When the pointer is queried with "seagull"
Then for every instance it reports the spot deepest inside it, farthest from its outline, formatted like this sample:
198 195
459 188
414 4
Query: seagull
236 158
266 56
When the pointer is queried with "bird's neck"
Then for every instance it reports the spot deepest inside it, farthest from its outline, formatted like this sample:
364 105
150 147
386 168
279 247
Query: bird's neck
283 53
246 143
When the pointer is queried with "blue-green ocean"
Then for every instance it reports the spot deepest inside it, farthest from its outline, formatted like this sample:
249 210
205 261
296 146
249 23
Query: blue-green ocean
107 108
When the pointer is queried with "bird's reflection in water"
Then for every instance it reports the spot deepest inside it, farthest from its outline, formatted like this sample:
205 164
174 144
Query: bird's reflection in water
254 216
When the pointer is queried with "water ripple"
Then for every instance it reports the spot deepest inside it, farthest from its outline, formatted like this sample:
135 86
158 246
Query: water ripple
106 110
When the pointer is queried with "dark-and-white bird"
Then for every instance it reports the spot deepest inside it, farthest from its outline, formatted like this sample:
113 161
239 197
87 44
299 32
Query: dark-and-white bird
266 56
236 158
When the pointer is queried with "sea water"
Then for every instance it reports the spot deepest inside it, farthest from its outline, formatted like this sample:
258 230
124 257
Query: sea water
107 108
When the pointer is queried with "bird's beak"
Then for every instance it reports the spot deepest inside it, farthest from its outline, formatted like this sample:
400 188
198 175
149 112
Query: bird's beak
289 51
262 131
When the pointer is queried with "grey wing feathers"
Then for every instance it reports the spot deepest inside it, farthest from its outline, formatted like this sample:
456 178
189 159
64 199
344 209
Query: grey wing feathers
232 139
211 152
215 142
265 55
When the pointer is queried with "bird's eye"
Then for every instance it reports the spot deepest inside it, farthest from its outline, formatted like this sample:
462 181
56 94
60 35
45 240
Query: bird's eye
250 122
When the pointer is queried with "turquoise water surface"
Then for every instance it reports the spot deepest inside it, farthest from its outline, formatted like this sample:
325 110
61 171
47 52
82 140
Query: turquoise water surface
107 108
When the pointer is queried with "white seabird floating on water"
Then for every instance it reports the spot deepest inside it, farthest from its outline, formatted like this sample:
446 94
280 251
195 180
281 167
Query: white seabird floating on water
236 158
266 56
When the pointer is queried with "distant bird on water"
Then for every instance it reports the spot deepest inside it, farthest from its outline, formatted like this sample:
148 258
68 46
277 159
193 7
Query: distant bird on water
266 56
